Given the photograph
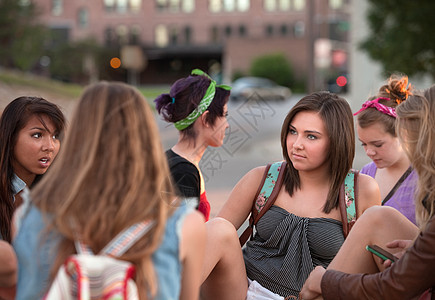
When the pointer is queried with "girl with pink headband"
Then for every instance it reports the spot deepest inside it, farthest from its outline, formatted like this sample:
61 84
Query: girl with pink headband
376 127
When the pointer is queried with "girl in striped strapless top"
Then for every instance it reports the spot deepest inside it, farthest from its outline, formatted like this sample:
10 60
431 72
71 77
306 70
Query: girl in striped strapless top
303 228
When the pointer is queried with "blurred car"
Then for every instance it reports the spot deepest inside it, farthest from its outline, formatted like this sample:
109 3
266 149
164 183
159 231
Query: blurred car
263 88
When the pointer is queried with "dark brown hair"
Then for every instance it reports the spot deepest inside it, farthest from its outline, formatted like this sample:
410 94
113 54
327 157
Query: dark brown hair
185 96
337 116
15 117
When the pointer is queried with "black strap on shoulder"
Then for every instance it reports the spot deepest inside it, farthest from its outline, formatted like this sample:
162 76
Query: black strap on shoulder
397 185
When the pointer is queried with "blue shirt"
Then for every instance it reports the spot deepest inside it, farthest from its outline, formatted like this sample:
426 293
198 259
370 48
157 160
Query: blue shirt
36 248
17 185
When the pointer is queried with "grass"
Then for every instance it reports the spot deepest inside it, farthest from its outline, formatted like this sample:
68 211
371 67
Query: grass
151 93
62 88
25 79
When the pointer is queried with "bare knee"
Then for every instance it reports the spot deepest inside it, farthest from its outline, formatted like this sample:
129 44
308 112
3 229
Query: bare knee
386 223
382 214
222 230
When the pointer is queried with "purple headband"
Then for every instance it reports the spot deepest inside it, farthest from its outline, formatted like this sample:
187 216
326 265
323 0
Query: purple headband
380 107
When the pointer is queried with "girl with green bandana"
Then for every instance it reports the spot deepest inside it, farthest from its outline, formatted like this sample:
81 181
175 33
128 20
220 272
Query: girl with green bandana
198 108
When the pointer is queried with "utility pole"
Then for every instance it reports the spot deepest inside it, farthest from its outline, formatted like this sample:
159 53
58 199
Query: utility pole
310 46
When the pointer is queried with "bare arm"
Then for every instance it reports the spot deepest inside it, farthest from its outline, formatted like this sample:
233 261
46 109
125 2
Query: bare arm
192 251
368 193
238 206
8 265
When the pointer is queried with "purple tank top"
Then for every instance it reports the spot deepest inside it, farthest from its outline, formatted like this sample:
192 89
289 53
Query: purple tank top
403 198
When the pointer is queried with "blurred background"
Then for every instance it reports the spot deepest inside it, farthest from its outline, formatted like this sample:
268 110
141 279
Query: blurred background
306 45
53 48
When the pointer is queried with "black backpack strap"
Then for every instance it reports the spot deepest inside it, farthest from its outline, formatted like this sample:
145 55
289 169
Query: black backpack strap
267 192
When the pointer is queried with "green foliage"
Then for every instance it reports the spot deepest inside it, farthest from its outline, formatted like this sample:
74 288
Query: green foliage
70 61
401 36
21 38
237 74
275 67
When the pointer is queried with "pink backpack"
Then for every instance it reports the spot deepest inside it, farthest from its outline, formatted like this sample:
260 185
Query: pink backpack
85 276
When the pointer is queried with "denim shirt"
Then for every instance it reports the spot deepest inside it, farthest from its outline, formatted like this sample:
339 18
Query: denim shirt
36 249
17 185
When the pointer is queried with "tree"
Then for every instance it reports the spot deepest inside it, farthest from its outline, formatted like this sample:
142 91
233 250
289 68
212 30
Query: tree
401 36
21 37
275 67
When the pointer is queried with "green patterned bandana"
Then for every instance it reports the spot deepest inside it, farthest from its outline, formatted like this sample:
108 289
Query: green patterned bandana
203 104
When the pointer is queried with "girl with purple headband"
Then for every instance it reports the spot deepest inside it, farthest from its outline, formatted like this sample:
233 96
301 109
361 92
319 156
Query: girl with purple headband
390 166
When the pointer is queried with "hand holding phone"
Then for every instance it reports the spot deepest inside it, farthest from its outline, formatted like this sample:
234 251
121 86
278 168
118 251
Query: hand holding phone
382 253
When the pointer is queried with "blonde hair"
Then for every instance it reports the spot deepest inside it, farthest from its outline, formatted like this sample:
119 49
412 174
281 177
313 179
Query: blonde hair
110 173
416 128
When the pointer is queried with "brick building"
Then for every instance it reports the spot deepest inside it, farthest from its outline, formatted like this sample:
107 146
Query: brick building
178 35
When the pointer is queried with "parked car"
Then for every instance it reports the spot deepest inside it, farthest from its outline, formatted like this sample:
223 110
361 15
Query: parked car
263 88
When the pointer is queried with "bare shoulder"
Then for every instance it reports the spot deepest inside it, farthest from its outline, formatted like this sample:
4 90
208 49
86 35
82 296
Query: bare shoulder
255 175
239 203
193 220
368 192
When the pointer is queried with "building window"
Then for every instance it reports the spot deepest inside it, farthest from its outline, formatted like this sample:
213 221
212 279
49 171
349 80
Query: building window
242 30
188 34
135 5
173 36
135 35
276 5
162 36
335 4
109 5
188 6
216 6
122 34
229 5
299 5
123 6
57 7
174 5
228 31
283 29
109 36
284 5
299 29
214 34
185 6
83 18
269 30
269 5
244 5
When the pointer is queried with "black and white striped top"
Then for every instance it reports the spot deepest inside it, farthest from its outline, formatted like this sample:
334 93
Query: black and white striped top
286 248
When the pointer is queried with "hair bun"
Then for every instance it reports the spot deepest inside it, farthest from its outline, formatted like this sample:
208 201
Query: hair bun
398 88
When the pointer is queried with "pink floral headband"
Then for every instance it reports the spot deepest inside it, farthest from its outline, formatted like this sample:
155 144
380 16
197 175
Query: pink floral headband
380 107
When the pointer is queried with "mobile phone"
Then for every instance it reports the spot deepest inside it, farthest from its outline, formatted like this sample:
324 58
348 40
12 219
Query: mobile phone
382 253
